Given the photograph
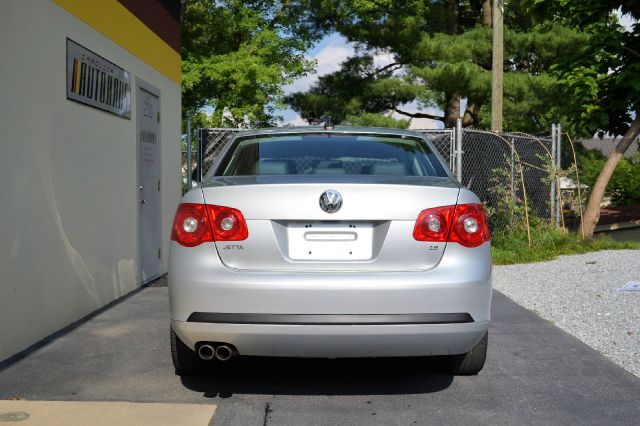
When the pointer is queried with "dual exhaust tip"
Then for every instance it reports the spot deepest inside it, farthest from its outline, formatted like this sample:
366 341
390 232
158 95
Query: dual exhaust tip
221 352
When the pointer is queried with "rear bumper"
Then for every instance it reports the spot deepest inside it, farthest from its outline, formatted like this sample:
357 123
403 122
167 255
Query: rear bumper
336 341
460 284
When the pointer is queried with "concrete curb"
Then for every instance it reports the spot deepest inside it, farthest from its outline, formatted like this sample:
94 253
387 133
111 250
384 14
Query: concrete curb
74 413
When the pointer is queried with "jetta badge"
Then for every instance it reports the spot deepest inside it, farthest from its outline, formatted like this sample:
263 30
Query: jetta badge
330 201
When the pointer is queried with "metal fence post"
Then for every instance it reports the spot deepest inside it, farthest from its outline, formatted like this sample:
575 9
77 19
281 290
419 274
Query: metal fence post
189 163
513 169
200 156
552 194
452 150
558 165
459 150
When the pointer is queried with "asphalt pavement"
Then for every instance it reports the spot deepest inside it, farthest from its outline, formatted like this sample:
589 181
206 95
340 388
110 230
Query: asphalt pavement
535 374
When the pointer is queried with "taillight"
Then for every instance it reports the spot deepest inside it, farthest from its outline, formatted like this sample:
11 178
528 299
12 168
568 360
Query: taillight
228 224
433 224
195 224
470 226
191 225
465 224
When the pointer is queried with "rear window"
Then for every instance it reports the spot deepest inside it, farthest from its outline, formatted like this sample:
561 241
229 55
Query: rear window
330 154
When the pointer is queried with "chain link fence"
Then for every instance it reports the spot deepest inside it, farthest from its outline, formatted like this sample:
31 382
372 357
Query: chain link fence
510 172
444 142
211 142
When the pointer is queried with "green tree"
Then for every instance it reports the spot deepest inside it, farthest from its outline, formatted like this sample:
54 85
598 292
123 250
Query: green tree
442 54
236 56
624 186
375 120
358 88
603 86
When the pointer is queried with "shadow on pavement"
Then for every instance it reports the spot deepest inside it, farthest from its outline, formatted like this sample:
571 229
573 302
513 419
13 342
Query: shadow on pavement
295 376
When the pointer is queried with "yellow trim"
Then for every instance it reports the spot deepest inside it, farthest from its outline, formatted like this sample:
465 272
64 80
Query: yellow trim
115 22
77 70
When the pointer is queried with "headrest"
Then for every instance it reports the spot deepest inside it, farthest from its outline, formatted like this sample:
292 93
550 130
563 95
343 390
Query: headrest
388 169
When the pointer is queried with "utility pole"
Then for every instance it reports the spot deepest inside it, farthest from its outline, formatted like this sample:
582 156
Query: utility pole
497 66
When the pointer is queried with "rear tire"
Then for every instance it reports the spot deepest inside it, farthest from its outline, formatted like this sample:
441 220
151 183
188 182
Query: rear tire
184 359
472 362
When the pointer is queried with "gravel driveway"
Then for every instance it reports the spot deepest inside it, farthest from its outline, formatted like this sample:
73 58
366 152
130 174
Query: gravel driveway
579 294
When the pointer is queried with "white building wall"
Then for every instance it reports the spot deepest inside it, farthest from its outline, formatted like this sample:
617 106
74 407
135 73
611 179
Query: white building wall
68 178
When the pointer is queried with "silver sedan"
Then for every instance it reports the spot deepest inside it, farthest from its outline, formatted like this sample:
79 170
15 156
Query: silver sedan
330 242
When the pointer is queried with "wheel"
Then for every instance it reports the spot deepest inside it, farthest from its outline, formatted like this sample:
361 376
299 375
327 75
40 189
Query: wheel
184 359
472 362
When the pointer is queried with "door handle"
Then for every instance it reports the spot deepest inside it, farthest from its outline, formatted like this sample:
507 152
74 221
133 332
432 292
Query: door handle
143 201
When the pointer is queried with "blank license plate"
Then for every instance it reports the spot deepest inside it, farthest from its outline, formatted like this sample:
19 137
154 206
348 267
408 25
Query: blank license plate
330 241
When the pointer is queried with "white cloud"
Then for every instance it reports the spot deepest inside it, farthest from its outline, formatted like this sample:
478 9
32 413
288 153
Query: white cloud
382 59
626 21
297 121
328 60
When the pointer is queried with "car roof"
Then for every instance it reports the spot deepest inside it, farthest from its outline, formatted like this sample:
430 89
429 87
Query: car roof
334 130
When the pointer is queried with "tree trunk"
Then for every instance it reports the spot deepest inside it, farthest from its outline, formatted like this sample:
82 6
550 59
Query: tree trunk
592 213
452 101
470 116
453 17
486 13
452 110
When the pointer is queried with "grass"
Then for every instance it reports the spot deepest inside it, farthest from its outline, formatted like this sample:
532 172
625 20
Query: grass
547 243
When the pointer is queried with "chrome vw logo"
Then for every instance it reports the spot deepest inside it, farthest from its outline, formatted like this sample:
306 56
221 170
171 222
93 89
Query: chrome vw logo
330 201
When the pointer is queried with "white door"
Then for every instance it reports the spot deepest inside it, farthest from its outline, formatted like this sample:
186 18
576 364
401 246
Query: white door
150 228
